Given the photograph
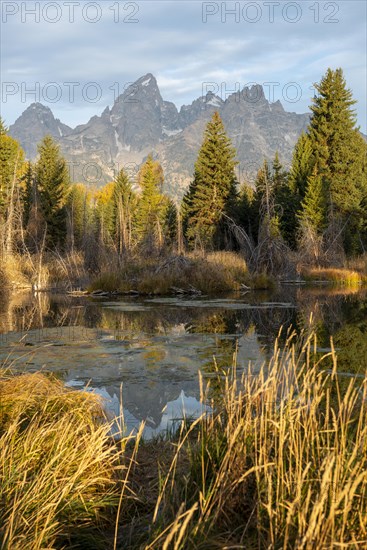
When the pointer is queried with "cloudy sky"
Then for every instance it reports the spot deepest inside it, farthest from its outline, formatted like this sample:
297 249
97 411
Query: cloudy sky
77 56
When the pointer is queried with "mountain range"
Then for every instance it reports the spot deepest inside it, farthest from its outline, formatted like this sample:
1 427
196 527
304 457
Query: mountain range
141 122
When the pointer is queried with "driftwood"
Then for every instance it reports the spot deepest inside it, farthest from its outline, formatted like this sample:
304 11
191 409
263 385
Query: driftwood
192 291
77 292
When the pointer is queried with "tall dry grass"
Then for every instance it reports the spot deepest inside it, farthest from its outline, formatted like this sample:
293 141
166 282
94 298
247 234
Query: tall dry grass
60 476
42 271
359 264
282 464
210 273
346 277
15 271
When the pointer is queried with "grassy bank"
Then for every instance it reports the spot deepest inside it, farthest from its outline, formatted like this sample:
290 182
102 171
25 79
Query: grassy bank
189 273
207 273
353 274
337 277
210 273
60 476
281 463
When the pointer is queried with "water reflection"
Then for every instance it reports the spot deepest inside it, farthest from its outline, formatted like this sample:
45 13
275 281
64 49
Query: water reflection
172 413
154 347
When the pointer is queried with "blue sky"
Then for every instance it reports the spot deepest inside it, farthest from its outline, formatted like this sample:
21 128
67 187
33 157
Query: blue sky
76 56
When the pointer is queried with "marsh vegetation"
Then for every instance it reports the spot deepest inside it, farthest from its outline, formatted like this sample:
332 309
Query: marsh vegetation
280 462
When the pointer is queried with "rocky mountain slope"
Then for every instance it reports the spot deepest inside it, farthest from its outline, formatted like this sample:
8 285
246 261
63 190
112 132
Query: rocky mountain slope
141 122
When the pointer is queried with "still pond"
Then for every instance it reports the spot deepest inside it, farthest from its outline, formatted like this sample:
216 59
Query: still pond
149 350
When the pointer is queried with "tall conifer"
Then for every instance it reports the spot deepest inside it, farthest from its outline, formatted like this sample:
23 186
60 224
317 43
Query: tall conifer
53 183
339 154
151 204
212 192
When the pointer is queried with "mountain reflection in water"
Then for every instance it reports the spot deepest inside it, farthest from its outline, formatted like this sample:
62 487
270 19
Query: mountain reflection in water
155 347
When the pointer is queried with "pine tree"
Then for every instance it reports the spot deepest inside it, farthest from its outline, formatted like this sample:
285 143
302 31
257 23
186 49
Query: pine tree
151 205
245 211
339 153
301 168
105 214
279 176
79 215
53 183
212 192
314 205
29 190
300 171
286 202
312 220
171 225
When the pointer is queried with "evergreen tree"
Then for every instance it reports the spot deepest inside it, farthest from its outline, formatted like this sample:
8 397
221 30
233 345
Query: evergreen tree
105 213
30 193
245 211
188 205
339 153
286 202
314 205
263 185
301 167
171 224
29 184
300 171
212 192
79 213
313 220
151 205
53 183
279 176
363 224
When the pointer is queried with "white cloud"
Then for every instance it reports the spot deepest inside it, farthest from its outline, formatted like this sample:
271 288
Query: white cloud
172 42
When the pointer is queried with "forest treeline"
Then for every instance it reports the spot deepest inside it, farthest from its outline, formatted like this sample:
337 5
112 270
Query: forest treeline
315 212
